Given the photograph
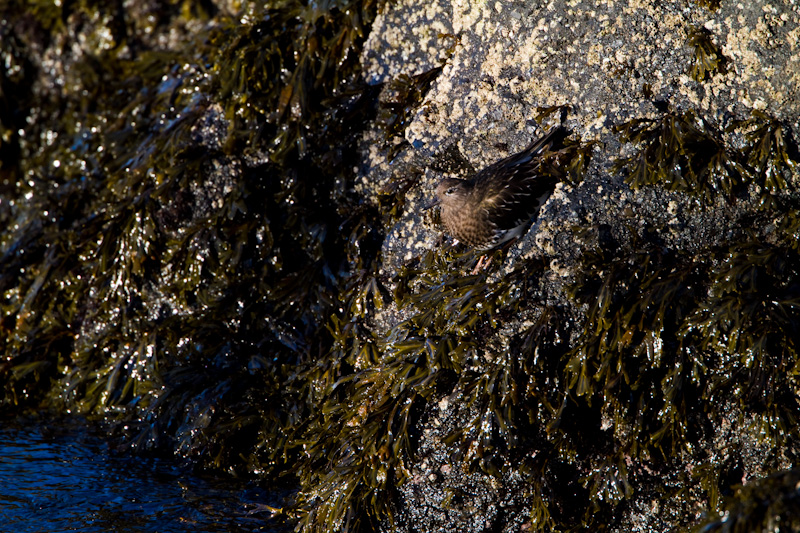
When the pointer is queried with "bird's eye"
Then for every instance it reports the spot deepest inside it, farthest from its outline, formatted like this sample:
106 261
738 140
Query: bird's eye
451 190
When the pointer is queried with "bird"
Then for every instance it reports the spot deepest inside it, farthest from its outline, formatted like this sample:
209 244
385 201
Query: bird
497 204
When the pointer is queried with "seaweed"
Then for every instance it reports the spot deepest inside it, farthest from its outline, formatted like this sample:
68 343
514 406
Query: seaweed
165 275
683 152
711 5
628 356
767 504
285 67
374 411
664 332
362 445
707 56
401 99
749 318
769 155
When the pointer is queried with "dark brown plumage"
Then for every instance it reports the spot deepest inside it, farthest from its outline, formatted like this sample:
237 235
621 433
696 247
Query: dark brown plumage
497 204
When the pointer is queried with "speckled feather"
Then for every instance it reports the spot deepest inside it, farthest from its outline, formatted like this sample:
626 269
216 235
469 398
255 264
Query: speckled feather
497 204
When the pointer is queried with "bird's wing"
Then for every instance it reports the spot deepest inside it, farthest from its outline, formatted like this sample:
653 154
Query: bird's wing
513 187
520 198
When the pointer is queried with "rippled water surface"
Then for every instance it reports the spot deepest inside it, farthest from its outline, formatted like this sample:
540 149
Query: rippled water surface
64 478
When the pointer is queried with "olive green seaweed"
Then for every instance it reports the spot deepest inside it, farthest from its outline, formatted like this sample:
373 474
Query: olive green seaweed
154 277
711 5
398 105
361 448
707 56
683 152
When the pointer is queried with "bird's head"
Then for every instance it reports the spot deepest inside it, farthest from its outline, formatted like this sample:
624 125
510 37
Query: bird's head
452 192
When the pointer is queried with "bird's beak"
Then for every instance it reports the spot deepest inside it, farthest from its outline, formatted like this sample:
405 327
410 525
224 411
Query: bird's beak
434 203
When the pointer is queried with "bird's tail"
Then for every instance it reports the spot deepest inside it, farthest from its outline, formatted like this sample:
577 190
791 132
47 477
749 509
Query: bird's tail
553 140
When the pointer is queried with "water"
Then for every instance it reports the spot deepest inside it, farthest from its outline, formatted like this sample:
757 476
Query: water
65 478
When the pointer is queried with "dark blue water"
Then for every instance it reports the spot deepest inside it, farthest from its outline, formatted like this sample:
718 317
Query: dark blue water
64 478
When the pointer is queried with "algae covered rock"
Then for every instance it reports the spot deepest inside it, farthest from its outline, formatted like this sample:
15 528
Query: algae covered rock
215 242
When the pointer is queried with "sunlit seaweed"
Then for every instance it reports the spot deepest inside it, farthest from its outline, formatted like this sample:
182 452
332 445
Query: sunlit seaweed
707 56
750 316
361 447
683 152
282 70
365 429
160 280
771 159
666 330
653 326
628 358
711 5
680 152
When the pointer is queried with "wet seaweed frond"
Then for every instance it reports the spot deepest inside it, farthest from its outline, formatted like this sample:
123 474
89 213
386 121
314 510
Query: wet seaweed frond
761 505
789 227
160 278
400 101
374 411
609 483
275 75
683 152
707 56
749 319
665 331
711 5
628 349
774 162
